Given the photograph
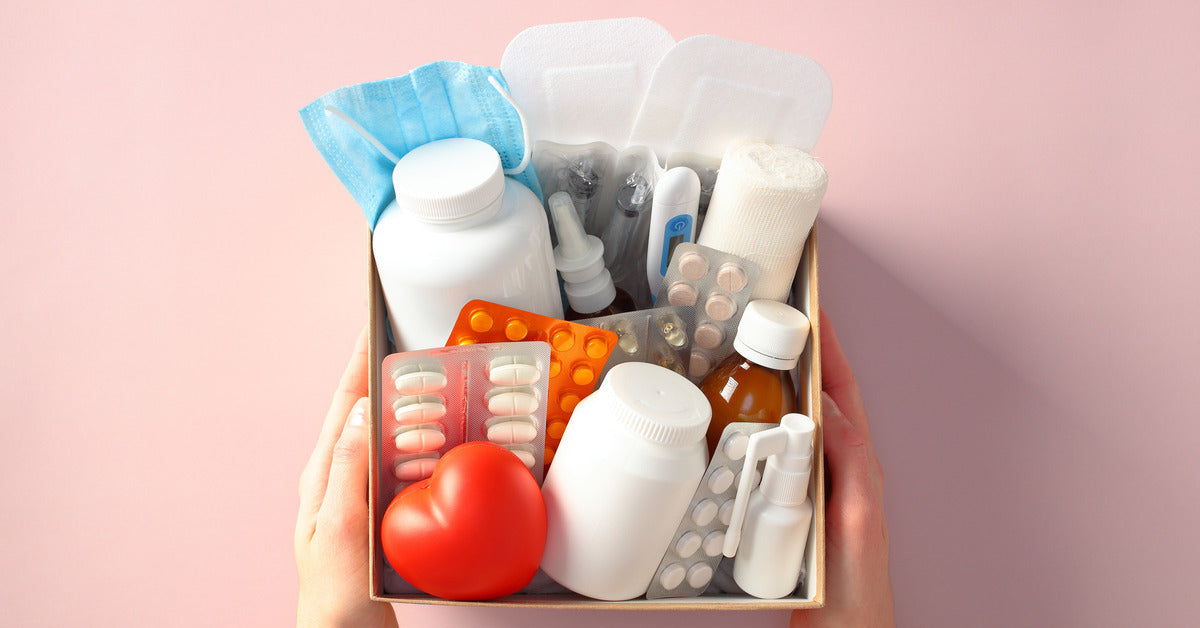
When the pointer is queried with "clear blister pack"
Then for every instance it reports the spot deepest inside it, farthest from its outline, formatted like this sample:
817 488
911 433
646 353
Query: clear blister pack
659 336
715 288
695 552
581 171
626 204
436 399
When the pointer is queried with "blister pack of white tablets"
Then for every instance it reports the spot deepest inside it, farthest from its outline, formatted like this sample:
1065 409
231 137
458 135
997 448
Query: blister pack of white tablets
715 287
659 336
695 552
436 399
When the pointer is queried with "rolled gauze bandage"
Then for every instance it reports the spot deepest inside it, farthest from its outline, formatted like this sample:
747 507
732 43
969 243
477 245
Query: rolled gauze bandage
763 205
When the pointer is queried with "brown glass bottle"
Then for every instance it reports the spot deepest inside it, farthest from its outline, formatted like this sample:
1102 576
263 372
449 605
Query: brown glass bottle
755 383
620 304
740 390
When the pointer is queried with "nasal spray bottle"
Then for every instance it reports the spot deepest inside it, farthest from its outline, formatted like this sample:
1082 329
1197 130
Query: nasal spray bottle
580 260
769 530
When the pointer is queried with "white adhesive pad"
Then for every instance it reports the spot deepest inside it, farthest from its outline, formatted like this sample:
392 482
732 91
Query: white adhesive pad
582 82
708 91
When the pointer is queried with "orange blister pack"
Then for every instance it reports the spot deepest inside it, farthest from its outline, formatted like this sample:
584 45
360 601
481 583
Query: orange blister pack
577 354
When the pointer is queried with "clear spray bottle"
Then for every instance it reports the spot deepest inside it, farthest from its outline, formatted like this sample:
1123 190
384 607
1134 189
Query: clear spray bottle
768 530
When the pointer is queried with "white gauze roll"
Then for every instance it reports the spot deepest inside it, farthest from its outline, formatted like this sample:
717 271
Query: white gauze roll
763 205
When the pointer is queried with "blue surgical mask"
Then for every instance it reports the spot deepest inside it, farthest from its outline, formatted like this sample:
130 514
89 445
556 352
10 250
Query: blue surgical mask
362 130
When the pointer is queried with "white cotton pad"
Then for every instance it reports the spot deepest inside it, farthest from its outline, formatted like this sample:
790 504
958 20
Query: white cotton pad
708 91
582 82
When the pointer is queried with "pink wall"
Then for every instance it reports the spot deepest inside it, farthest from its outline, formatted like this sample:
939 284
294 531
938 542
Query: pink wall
1008 248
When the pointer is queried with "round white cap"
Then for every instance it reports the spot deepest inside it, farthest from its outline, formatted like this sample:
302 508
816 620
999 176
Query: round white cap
592 295
448 179
772 334
656 403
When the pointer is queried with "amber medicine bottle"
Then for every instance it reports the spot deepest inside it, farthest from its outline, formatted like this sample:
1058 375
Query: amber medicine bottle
755 382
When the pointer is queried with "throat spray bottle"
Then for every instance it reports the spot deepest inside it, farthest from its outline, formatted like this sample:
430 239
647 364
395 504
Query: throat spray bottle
769 528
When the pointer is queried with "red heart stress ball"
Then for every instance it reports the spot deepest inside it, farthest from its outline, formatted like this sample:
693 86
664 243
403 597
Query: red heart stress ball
475 530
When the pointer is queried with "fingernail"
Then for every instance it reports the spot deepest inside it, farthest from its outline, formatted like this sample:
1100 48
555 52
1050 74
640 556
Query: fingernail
828 407
358 414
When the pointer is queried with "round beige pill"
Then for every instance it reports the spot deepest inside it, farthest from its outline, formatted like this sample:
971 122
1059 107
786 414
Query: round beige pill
693 266
699 364
720 307
681 294
731 277
709 336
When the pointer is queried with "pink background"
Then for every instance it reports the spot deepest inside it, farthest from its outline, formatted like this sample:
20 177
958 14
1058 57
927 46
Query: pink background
1008 249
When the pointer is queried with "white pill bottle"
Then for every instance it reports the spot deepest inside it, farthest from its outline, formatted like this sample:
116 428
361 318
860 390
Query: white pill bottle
460 230
622 478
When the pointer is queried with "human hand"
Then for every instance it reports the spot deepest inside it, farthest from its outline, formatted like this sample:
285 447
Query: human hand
332 528
858 588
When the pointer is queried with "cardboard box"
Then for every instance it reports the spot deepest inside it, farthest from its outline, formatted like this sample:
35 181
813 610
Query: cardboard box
812 594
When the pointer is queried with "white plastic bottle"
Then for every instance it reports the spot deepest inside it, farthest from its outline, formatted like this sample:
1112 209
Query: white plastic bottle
622 478
460 230
768 548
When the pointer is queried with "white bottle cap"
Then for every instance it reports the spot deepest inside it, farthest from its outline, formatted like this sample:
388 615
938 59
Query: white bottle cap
772 334
656 403
448 180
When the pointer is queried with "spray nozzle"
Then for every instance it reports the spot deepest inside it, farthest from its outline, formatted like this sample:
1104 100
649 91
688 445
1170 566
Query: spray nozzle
579 258
573 243
788 449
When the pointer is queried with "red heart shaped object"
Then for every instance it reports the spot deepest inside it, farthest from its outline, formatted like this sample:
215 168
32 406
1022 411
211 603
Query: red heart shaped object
475 530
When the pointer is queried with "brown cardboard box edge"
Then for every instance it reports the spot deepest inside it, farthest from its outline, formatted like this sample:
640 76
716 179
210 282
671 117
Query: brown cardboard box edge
810 398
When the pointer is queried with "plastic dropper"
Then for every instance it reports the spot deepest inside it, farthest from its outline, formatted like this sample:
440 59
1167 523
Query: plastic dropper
580 260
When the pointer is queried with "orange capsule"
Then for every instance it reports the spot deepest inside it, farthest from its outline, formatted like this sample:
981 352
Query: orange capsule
555 429
595 347
568 402
516 330
481 321
555 367
583 374
466 340
562 340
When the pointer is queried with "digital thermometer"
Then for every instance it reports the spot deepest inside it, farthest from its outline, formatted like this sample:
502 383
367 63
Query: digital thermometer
672 220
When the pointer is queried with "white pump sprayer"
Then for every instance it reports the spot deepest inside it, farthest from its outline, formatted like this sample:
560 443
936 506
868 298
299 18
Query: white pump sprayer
777 515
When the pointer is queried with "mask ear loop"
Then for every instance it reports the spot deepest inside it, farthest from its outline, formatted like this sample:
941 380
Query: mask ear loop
524 127
330 110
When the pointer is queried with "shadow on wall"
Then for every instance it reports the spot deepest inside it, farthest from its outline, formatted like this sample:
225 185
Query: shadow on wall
977 489
972 454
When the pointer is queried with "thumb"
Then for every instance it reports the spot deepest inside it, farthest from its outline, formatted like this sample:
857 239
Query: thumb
346 496
855 478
